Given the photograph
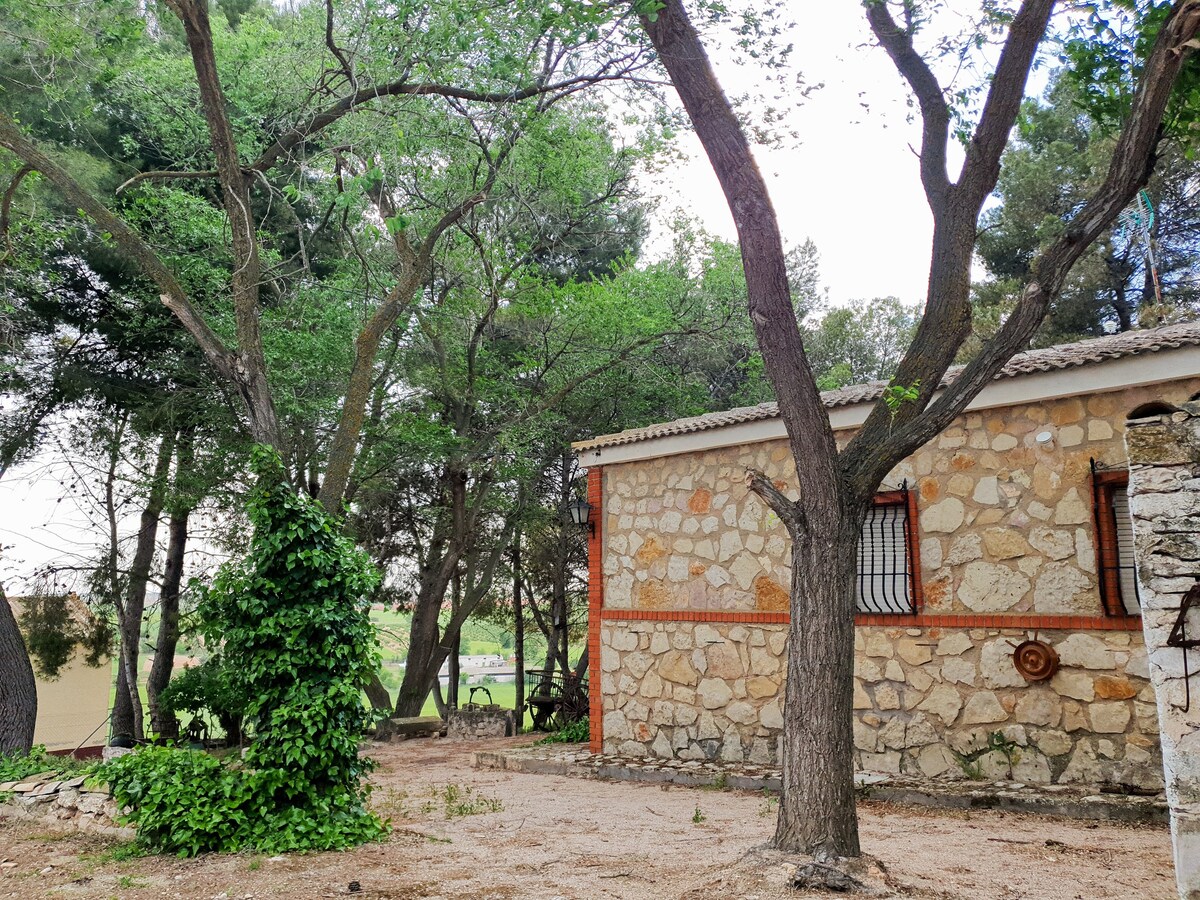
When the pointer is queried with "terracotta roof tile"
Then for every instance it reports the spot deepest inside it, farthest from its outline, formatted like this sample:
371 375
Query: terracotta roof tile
1062 356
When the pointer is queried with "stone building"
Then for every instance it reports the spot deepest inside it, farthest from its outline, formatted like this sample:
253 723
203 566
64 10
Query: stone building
1012 526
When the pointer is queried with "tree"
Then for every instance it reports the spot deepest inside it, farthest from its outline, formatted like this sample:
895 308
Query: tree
408 68
861 342
1055 161
816 813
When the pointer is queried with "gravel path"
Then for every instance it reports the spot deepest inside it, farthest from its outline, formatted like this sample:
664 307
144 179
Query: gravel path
459 832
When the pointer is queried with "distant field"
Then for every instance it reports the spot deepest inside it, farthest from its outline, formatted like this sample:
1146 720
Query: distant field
479 638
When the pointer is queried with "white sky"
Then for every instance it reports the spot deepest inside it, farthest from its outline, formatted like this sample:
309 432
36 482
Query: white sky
851 184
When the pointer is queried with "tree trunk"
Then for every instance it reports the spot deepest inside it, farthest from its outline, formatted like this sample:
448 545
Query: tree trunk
816 809
377 694
164 723
518 635
454 643
128 717
423 659
818 746
18 690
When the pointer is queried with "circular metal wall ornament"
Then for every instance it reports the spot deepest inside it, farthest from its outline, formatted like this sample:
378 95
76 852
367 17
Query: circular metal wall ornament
1035 660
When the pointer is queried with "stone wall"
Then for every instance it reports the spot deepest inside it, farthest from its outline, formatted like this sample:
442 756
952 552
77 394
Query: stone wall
928 701
1005 529
1164 490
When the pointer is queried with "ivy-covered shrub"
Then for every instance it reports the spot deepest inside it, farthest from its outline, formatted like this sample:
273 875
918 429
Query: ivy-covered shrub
293 622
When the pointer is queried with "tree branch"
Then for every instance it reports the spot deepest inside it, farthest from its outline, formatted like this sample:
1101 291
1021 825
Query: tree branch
1129 169
789 511
981 167
129 242
935 114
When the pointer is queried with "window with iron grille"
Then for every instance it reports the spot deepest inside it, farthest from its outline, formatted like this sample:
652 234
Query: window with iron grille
886 557
1114 542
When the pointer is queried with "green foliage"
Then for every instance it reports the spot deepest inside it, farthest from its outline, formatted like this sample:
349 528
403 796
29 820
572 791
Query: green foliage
574 733
16 766
208 689
299 646
896 395
1058 158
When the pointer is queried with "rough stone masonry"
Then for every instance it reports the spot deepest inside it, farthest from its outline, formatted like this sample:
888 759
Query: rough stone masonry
1164 492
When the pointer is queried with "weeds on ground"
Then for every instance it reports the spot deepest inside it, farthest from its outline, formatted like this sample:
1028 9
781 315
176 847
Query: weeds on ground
720 783
457 802
769 805
575 733
698 816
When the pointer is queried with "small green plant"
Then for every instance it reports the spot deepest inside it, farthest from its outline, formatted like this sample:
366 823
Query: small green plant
457 802
122 852
769 804
971 763
18 766
255 865
896 395
719 783
698 816
576 732
128 881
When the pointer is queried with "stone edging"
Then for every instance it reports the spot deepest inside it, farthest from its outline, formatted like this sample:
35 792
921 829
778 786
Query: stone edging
1053 800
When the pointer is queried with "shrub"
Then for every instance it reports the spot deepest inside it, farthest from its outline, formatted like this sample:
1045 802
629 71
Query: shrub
17 766
298 644
573 733
211 689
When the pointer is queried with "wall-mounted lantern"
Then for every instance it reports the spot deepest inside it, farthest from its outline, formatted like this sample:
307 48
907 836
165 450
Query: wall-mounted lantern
581 515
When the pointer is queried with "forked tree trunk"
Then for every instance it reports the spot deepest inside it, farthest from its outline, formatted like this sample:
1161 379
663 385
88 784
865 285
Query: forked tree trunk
162 722
128 717
18 690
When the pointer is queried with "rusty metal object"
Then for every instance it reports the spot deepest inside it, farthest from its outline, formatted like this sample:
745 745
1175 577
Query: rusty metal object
1035 660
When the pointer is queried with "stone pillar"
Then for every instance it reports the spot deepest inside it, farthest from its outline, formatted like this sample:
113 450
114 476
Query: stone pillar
1164 491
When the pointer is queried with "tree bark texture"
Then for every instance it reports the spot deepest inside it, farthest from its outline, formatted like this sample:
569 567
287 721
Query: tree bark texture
128 717
816 812
18 689
518 634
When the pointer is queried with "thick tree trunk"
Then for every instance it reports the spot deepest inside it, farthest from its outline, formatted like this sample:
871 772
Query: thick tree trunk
818 747
18 690
128 716
423 659
164 723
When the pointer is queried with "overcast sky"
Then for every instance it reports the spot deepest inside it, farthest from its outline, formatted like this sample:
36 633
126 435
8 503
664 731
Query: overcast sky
851 184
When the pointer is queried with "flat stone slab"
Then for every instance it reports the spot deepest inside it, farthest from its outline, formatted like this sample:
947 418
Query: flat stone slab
411 726
1071 801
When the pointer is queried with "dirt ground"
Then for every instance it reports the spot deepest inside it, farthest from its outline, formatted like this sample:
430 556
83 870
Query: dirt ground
459 832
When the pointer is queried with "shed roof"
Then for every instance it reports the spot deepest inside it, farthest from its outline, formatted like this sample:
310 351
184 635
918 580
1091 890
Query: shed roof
1061 356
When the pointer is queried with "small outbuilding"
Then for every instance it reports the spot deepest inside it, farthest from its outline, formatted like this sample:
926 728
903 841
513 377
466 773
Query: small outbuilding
999 630
73 706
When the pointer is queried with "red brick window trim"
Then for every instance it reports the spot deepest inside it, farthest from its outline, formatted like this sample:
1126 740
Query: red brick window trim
880 561
1114 564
